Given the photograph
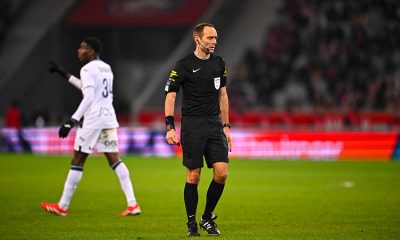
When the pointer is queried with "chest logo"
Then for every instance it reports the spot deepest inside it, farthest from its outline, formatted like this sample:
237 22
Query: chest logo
217 82
196 70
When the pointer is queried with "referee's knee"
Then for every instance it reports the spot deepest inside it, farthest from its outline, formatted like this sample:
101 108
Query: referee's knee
193 175
221 177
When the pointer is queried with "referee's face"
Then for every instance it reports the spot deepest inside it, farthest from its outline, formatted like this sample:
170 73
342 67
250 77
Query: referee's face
85 52
209 38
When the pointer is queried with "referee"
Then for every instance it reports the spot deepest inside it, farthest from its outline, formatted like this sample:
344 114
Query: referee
205 123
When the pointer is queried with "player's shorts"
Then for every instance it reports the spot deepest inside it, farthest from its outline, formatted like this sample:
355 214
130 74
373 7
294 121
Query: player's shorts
105 140
203 136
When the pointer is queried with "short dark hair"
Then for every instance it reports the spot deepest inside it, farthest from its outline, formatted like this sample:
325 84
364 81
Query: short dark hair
94 43
198 30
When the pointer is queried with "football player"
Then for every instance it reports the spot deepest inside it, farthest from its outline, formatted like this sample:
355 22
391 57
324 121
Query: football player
99 128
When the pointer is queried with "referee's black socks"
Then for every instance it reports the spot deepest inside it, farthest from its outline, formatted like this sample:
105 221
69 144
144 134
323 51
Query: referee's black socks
213 195
191 198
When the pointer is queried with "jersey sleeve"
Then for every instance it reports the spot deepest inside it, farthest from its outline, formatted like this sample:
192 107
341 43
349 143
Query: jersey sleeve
88 86
76 82
87 77
88 96
175 79
224 73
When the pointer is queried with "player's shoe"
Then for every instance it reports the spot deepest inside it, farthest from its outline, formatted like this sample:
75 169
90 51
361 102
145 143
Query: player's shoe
54 209
192 229
210 226
131 211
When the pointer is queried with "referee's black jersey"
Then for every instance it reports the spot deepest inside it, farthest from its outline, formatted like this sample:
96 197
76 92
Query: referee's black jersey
200 81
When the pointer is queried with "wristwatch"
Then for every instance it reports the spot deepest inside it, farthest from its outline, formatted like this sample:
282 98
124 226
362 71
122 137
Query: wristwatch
226 125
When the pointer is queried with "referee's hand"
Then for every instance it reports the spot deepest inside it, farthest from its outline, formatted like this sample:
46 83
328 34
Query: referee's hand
171 137
228 137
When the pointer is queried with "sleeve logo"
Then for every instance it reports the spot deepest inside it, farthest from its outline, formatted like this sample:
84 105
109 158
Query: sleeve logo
167 86
217 82
172 76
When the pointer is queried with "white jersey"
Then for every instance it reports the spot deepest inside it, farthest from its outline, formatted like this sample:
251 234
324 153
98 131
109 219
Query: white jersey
97 88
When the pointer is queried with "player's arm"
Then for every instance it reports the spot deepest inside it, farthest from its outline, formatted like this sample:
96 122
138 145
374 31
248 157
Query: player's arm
88 96
224 116
88 89
169 118
76 82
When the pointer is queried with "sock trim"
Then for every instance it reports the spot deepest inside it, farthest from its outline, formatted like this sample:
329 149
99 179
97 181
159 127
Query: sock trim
115 165
77 168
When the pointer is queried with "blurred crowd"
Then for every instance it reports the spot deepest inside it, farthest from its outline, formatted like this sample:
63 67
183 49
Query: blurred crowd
324 55
318 57
14 117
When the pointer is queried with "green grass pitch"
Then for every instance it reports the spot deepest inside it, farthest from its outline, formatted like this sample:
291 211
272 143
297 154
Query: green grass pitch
262 200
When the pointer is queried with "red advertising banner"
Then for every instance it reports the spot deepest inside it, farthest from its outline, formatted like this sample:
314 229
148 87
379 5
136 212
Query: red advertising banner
329 146
366 146
137 12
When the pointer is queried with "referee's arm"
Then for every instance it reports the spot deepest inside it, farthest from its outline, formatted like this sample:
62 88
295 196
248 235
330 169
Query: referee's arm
169 111
170 103
224 105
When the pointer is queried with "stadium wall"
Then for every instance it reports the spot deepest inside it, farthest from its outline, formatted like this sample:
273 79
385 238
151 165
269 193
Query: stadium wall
252 144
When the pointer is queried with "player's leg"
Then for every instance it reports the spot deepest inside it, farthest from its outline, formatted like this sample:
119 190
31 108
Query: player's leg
85 140
123 175
108 144
73 178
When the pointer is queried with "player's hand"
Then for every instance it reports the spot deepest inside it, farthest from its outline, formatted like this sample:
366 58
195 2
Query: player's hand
228 137
171 137
66 128
55 68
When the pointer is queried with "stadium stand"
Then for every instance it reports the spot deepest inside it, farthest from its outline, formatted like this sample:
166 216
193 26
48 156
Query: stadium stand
309 64
324 65
331 58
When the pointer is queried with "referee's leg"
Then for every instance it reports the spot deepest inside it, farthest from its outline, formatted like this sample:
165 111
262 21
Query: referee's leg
214 193
220 172
190 193
191 198
216 188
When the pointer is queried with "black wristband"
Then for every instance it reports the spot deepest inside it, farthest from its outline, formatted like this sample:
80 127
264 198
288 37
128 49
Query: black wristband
227 125
169 123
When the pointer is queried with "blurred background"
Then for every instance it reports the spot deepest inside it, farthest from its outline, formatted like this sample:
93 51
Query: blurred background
293 65
305 58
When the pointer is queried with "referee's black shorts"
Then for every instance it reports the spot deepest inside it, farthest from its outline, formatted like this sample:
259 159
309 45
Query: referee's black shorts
203 136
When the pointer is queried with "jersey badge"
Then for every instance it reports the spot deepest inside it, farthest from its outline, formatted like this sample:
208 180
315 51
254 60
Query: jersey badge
196 70
217 82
